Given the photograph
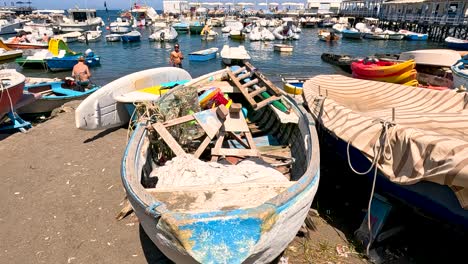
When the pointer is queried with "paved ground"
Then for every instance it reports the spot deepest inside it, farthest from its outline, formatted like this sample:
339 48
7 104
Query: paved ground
61 190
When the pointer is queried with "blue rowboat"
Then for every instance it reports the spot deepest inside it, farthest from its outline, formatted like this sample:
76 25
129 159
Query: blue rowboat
181 28
351 34
409 35
456 44
54 94
67 62
203 55
133 36
212 224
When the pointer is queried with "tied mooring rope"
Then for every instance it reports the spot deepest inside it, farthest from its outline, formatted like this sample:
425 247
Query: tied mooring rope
377 152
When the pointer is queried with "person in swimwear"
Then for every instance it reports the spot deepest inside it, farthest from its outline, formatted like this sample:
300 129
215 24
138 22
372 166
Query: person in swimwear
176 57
81 72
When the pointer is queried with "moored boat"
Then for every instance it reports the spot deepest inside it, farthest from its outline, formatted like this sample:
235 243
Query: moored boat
272 209
66 63
203 55
181 27
167 34
392 35
457 44
341 60
283 48
69 37
12 89
328 36
90 36
132 36
107 107
376 36
26 45
113 38
234 55
351 33
420 136
53 94
120 25
409 35
237 35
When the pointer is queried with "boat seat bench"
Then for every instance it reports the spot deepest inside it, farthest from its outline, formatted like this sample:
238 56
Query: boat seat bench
217 198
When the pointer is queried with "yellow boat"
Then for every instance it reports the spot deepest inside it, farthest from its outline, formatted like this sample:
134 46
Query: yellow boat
381 68
402 78
293 85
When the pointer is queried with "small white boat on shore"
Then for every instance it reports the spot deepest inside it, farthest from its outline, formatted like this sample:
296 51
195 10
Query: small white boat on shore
107 107
234 55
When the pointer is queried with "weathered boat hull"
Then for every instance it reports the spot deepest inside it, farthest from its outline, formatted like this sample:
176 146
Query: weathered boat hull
10 95
11 54
47 103
202 57
27 45
249 235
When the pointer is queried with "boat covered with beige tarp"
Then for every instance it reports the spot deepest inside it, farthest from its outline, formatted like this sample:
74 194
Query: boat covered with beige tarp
426 139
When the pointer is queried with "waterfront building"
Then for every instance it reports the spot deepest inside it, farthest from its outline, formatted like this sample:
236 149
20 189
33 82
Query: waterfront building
361 8
323 6
426 11
175 6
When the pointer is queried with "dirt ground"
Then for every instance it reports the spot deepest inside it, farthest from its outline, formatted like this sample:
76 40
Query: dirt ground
61 190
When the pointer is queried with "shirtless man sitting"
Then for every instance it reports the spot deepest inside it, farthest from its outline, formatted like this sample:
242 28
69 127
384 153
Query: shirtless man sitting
81 72
176 57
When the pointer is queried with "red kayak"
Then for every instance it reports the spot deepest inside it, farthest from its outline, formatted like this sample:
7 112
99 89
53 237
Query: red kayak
381 68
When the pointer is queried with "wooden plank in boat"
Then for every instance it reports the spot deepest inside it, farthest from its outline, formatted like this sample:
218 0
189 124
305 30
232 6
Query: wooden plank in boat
236 124
225 87
262 78
209 121
234 152
167 137
241 88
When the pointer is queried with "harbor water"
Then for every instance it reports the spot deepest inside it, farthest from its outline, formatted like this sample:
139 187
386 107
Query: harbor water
119 59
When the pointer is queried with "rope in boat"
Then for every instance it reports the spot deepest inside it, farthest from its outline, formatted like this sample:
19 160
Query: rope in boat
377 151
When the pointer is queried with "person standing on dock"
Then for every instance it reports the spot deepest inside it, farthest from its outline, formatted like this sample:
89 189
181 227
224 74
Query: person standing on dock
176 57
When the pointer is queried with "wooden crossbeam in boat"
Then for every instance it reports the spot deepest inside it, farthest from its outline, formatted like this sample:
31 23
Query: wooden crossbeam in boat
239 70
250 83
262 78
258 91
167 137
266 102
241 88
243 76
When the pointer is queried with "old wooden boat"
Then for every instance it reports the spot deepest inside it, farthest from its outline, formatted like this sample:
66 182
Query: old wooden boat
12 84
107 107
53 94
203 55
219 217
420 134
328 36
